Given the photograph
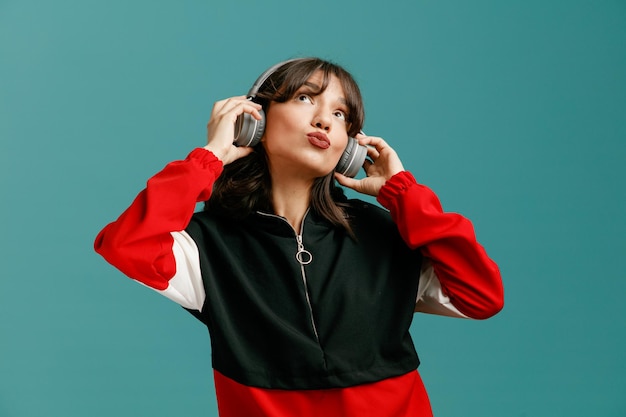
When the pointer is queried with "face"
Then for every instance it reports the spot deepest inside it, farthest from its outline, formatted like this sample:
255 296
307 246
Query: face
306 135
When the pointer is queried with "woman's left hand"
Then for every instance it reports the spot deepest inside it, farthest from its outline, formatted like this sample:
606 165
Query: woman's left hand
382 163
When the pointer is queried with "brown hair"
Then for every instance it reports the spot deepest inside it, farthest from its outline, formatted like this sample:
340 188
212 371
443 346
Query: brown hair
245 185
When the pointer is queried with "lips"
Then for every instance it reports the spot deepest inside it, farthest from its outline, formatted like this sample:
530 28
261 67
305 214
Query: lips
319 139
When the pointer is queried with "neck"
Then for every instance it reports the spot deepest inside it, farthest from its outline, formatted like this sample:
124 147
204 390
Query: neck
290 198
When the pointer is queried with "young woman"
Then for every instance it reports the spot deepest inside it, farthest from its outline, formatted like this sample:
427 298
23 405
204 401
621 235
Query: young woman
308 296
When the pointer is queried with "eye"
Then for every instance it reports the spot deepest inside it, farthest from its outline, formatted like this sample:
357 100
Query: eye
340 114
304 98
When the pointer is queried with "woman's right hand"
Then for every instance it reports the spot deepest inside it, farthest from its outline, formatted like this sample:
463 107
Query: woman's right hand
221 127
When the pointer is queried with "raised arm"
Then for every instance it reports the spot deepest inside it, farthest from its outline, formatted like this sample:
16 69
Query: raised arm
140 242
148 242
467 276
458 278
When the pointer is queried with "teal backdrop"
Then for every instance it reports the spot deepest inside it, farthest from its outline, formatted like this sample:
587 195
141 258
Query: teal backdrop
514 112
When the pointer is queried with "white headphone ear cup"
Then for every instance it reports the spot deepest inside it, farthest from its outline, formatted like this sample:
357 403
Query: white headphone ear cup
248 130
351 159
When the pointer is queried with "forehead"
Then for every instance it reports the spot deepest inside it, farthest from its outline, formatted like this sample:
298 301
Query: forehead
329 85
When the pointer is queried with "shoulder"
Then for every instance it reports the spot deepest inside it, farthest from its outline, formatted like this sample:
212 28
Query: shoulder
207 217
365 217
204 224
359 209
378 235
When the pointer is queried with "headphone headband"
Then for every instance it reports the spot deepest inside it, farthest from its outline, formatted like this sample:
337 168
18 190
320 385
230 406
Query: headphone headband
263 77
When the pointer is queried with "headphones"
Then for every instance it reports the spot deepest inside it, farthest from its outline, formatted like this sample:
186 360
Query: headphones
248 131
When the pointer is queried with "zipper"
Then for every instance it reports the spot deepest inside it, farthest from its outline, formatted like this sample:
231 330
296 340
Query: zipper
304 257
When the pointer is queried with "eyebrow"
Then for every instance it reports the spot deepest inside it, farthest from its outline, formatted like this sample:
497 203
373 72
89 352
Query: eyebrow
316 88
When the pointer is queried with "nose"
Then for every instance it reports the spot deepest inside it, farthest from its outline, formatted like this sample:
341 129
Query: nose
322 121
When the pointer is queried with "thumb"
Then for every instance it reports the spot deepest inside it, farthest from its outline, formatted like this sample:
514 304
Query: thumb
235 152
347 181
242 151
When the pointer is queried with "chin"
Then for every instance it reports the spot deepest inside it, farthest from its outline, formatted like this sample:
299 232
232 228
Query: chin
317 173
321 170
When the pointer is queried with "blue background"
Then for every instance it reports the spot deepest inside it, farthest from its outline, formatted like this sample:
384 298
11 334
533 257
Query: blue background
513 112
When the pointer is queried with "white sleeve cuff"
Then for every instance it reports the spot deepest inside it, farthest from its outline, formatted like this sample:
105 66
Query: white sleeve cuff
430 296
186 287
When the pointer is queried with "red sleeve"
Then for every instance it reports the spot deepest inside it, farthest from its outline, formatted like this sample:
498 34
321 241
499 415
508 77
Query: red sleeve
139 243
467 275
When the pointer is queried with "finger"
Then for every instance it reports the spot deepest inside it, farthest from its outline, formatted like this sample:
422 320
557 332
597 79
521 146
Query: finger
247 107
371 169
372 153
346 181
224 106
231 103
376 142
367 164
362 138
243 151
219 105
230 111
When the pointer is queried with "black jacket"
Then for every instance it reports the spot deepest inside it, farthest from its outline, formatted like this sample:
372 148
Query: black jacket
341 320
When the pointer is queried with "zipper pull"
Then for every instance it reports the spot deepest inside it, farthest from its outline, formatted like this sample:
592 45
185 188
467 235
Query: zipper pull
303 256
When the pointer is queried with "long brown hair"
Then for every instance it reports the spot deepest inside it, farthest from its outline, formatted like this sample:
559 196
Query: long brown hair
245 185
